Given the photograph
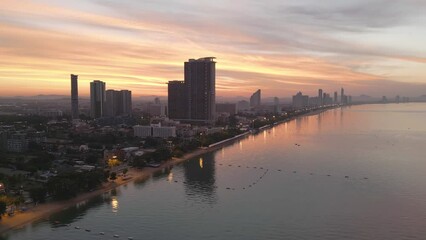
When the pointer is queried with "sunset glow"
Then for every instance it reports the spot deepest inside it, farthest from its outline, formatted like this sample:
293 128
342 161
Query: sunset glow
374 48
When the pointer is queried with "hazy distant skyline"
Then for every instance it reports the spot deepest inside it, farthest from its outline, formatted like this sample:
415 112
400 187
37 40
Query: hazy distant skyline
373 47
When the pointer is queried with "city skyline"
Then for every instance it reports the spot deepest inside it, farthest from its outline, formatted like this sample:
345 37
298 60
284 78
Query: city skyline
362 45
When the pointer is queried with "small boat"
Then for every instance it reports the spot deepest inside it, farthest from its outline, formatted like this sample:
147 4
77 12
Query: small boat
77 227
101 233
88 230
130 238
116 236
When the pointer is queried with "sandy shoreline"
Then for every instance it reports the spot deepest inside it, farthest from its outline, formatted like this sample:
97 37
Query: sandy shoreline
45 210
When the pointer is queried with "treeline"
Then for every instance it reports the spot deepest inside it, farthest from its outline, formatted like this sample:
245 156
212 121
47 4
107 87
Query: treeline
68 185
206 140
158 156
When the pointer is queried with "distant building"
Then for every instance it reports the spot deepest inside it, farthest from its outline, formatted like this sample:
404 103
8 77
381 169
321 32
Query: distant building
230 108
97 99
200 81
118 103
51 113
335 98
327 100
384 99
349 99
126 97
300 100
397 99
177 100
164 132
74 97
313 101
157 110
3 140
320 97
255 99
142 131
155 130
243 105
17 142
277 107
342 96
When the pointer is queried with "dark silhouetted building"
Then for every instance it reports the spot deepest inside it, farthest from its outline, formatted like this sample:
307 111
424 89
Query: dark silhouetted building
178 100
300 100
277 107
243 105
320 97
74 97
230 108
255 99
118 103
97 99
335 98
200 81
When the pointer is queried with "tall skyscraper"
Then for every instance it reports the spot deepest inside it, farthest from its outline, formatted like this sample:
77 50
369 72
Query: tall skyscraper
200 81
342 96
126 97
97 99
177 100
255 99
320 97
74 97
277 107
335 97
118 103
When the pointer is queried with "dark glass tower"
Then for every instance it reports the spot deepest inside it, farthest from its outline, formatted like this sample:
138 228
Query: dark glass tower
177 100
74 97
200 80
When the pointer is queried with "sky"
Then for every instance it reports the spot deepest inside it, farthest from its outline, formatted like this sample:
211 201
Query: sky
373 47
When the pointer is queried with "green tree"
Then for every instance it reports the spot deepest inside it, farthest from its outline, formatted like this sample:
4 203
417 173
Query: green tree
162 154
62 187
38 194
2 208
113 176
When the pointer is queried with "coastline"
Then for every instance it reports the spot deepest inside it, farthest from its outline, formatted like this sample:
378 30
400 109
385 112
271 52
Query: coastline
43 211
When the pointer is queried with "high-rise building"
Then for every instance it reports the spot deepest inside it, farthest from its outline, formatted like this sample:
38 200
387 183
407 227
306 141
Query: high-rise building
126 104
243 105
118 103
320 97
255 99
342 96
300 100
74 97
200 81
178 100
97 99
230 108
335 97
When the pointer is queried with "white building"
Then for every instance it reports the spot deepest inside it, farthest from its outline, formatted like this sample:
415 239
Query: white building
155 130
142 131
164 132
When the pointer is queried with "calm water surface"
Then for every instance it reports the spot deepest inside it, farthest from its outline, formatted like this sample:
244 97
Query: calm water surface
359 173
